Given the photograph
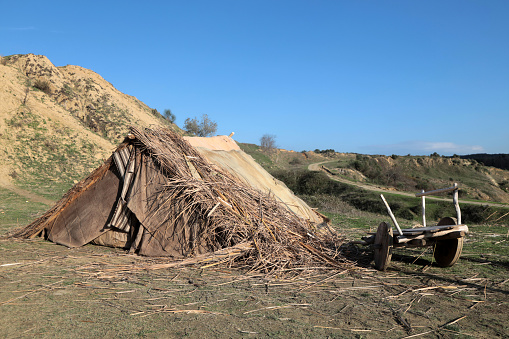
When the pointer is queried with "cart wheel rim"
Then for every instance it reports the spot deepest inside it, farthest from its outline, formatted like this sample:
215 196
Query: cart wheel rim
447 221
383 246
447 252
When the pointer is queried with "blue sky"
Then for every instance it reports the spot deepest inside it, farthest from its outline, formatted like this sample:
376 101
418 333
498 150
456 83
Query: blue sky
375 77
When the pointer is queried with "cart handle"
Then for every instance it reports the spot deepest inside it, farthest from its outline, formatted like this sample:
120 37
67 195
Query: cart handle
455 201
441 190
391 214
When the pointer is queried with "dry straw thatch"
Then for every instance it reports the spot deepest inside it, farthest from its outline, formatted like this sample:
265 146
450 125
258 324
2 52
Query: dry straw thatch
218 211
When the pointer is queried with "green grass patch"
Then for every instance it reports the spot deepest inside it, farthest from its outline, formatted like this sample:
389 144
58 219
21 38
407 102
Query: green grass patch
47 164
255 151
17 211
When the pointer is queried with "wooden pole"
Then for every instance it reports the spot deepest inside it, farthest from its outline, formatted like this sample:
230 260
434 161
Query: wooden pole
456 203
442 190
423 200
391 215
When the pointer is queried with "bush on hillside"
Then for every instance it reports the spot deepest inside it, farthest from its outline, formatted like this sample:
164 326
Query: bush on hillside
313 187
43 85
168 114
296 161
304 182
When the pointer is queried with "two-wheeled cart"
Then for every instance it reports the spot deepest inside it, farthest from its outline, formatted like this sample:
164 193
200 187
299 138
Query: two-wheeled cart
446 237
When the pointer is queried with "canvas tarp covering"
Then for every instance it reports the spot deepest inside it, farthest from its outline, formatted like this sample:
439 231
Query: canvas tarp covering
225 153
84 219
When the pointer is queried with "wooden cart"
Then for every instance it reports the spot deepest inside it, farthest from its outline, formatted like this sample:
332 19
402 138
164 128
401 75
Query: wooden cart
446 237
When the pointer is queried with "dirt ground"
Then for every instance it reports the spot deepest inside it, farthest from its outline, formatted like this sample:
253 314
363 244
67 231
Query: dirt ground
49 290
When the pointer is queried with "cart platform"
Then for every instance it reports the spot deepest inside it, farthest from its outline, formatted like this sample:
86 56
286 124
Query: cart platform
446 237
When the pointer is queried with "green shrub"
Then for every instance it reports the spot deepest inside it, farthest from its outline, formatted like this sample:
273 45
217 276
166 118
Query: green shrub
296 161
68 91
320 191
474 214
310 183
168 114
43 85
203 128
504 185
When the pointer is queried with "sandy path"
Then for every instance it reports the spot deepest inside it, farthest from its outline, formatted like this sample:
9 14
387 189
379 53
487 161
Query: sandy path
24 193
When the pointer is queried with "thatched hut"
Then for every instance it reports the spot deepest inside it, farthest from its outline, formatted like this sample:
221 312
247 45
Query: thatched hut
157 195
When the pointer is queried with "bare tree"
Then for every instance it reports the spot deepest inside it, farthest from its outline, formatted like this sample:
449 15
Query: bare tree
268 143
203 128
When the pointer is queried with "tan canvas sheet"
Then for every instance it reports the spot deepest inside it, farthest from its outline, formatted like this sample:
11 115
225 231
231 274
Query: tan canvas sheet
217 143
225 153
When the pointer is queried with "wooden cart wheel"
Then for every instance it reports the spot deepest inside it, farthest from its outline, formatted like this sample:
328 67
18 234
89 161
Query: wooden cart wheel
383 246
447 221
447 252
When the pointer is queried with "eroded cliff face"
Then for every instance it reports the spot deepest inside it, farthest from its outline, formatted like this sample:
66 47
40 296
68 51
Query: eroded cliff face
58 123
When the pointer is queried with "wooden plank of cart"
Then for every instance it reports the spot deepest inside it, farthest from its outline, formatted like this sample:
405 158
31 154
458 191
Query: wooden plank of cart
447 236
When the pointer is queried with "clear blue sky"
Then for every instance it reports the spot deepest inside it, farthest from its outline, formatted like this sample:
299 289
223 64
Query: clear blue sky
376 77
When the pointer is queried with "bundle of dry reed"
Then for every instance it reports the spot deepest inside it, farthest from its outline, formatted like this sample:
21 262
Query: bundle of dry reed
225 211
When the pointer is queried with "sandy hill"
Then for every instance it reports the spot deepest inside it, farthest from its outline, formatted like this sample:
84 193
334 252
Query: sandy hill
59 123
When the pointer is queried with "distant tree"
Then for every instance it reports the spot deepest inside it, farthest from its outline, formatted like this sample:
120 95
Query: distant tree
327 152
169 116
207 126
192 126
268 143
203 128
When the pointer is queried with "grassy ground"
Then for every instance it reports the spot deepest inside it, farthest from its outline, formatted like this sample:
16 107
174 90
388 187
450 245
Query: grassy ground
17 211
49 290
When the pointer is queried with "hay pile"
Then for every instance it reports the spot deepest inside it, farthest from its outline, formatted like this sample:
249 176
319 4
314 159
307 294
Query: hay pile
223 212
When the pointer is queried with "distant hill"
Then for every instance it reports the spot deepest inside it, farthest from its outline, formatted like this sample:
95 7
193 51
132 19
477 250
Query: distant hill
59 123
414 173
399 173
496 160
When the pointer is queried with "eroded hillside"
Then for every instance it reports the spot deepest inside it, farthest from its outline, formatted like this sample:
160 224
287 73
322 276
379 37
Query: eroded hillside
59 123
414 173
